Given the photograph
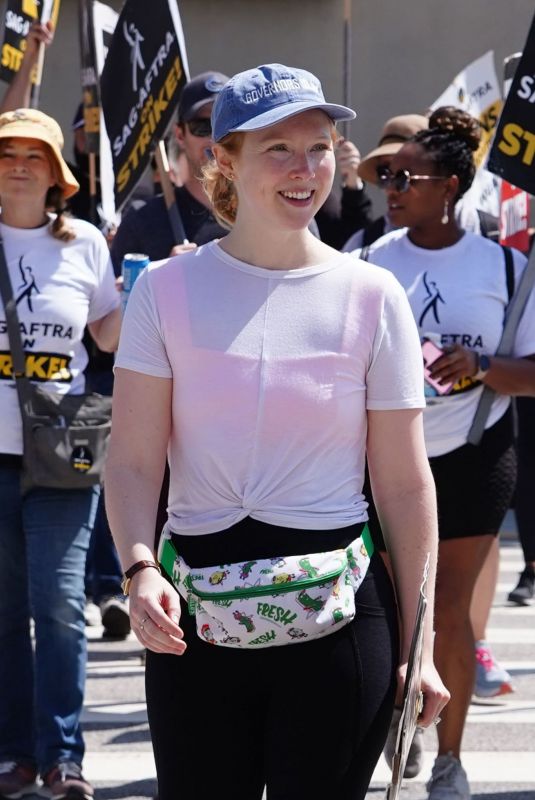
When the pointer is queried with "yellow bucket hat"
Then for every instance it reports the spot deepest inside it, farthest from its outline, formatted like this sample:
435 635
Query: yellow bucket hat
29 123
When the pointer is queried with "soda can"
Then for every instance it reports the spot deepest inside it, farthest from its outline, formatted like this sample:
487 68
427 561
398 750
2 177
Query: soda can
132 266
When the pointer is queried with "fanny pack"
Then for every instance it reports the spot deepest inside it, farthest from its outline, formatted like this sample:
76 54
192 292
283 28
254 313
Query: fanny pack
270 601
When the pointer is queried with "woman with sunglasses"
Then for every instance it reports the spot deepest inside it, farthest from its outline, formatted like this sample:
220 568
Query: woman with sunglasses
456 283
264 364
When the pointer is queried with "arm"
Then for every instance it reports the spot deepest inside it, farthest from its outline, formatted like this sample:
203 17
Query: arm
19 91
125 241
512 376
105 331
404 493
141 427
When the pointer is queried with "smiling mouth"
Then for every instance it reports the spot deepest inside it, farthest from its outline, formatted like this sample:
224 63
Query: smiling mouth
303 195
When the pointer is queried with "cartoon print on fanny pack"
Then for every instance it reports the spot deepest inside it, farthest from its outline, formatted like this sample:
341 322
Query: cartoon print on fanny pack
217 578
297 633
283 577
307 568
245 570
246 621
208 635
310 604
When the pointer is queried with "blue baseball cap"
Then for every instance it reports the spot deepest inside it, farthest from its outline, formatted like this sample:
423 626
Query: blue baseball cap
260 97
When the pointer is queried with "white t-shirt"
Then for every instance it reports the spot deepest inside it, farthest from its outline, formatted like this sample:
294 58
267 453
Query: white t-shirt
59 287
272 374
458 293
465 214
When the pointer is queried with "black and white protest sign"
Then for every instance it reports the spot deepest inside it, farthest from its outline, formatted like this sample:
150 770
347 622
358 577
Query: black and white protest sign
19 15
513 152
143 76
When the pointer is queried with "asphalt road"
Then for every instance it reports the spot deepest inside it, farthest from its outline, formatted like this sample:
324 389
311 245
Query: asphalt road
499 743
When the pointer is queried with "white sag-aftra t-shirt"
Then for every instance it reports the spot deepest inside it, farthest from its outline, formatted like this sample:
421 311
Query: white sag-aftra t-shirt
458 294
58 287
273 372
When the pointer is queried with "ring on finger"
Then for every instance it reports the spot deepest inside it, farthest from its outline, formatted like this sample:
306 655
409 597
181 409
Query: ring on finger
142 625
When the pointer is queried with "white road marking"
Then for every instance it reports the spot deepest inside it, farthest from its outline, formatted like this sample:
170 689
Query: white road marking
485 767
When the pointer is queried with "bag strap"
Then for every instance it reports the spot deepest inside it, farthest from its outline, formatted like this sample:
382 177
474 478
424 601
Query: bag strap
513 314
13 332
509 272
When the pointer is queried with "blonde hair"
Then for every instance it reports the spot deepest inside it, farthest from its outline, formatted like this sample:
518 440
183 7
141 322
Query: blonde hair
221 191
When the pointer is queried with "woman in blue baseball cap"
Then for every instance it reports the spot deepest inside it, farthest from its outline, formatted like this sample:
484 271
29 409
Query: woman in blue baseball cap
266 366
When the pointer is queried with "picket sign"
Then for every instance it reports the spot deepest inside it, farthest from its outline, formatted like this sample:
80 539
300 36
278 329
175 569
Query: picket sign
143 76
476 89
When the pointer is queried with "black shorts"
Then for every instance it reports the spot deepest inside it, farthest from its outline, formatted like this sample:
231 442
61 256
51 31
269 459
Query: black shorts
474 486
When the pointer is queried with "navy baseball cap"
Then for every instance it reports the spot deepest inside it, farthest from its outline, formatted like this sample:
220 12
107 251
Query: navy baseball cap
198 92
260 97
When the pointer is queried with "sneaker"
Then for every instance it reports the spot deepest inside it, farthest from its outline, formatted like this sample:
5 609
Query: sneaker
91 614
65 780
491 679
16 780
415 757
448 780
524 591
115 617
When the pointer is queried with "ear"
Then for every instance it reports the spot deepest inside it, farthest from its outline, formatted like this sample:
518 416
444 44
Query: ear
179 134
225 161
452 188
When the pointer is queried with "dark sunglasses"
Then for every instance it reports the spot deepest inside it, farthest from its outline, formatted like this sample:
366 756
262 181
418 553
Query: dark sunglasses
401 180
200 127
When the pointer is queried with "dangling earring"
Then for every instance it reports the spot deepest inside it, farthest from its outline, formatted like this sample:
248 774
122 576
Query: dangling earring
445 216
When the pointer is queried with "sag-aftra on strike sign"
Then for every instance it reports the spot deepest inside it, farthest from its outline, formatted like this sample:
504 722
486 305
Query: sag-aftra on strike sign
145 70
513 152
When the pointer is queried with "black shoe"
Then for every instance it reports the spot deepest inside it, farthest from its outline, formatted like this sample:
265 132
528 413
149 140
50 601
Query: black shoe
525 589
115 617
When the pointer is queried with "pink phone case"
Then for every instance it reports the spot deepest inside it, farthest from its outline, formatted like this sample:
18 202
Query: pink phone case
431 352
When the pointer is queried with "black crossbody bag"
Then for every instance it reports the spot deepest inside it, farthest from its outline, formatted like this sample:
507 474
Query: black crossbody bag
65 437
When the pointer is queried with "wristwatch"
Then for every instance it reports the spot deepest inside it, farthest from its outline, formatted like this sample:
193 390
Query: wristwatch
131 571
483 366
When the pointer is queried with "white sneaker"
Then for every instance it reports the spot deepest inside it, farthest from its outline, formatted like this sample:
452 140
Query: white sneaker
91 614
415 757
448 780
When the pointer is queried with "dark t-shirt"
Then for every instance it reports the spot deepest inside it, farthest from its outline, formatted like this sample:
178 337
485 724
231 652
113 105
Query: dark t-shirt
343 215
148 230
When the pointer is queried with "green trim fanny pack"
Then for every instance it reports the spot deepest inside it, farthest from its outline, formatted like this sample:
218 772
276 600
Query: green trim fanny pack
270 601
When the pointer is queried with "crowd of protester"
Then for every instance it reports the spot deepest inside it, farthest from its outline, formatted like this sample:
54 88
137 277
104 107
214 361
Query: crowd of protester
58 560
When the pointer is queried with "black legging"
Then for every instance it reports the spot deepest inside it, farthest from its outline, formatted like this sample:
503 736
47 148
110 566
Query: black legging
524 501
309 720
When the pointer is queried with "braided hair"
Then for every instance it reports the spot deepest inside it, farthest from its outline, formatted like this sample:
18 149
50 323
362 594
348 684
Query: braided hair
451 140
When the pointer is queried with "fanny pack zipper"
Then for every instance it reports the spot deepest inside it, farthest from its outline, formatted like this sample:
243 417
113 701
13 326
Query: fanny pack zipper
291 586
259 591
